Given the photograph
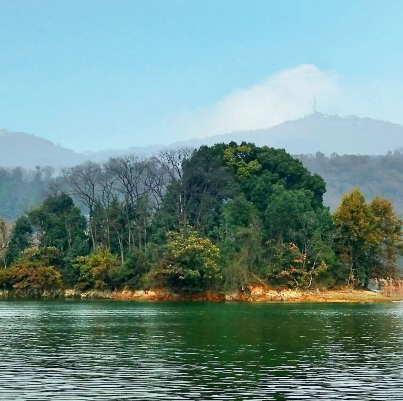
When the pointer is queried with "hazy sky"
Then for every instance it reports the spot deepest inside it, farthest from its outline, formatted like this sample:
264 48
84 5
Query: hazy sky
96 74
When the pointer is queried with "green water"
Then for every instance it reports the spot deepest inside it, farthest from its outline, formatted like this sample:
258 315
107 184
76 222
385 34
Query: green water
110 350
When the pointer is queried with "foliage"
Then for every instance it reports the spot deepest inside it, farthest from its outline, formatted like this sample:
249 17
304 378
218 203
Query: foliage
235 156
240 240
368 237
19 239
21 189
26 275
33 270
133 273
191 263
217 217
374 175
4 238
300 271
96 269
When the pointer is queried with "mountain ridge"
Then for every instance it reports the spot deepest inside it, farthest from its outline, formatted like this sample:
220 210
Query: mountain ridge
307 135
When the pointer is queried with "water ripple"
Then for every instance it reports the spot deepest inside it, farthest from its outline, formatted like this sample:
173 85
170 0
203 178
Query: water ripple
81 350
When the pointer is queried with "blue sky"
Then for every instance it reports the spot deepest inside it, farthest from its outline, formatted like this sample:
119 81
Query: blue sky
99 74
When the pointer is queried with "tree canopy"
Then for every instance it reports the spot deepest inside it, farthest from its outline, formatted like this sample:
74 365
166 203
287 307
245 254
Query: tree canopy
217 217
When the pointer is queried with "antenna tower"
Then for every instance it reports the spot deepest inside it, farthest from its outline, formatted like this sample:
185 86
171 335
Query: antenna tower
314 104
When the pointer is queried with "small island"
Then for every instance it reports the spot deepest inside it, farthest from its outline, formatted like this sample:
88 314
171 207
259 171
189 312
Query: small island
226 222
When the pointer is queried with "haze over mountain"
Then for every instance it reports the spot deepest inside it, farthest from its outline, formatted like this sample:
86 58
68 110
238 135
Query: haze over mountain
320 132
308 135
29 151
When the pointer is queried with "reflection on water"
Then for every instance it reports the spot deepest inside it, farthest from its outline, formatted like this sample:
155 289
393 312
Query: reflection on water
106 350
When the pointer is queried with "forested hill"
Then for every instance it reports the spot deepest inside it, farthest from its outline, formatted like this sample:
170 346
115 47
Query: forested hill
22 189
373 175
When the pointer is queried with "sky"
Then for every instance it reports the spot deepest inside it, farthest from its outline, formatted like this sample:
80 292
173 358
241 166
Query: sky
100 74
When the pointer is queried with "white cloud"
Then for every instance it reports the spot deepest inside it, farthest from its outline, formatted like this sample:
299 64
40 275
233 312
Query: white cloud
283 96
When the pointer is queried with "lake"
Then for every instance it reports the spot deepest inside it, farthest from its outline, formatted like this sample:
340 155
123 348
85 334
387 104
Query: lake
112 350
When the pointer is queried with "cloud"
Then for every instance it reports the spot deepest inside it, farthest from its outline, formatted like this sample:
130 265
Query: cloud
283 96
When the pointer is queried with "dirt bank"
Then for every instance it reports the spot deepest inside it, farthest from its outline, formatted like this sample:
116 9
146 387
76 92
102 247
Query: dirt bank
252 293
257 293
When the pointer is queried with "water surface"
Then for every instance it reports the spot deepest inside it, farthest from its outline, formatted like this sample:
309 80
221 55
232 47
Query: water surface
111 350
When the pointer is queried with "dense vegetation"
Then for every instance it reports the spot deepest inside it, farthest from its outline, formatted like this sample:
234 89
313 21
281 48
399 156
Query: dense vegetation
374 175
20 189
215 218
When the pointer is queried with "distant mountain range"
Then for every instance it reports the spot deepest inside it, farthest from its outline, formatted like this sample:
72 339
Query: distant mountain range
307 135
29 151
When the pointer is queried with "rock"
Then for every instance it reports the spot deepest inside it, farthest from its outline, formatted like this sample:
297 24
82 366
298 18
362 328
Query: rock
72 293
97 294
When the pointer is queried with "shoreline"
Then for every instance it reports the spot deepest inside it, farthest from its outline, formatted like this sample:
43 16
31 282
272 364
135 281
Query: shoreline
255 293
263 295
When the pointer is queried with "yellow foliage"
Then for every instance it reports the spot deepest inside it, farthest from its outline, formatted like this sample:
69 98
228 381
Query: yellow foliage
234 157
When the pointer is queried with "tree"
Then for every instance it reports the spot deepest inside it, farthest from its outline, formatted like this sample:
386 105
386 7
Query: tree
285 212
235 156
245 197
33 271
56 223
96 269
240 241
354 233
83 181
19 239
368 237
59 223
388 247
4 238
196 197
191 262
299 269
130 174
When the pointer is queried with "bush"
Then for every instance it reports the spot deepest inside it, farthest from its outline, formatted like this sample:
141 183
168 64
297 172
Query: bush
29 275
191 261
96 269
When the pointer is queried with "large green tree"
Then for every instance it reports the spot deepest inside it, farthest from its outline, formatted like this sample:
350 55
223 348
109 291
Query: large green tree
57 223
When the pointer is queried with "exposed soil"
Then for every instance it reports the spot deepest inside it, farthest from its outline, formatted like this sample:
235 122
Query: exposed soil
260 293
252 293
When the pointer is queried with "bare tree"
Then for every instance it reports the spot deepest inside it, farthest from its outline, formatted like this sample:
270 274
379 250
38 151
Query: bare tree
171 161
130 172
156 179
84 183
123 194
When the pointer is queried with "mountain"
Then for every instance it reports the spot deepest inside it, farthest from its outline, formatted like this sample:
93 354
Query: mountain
314 133
104 155
337 138
29 151
320 133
